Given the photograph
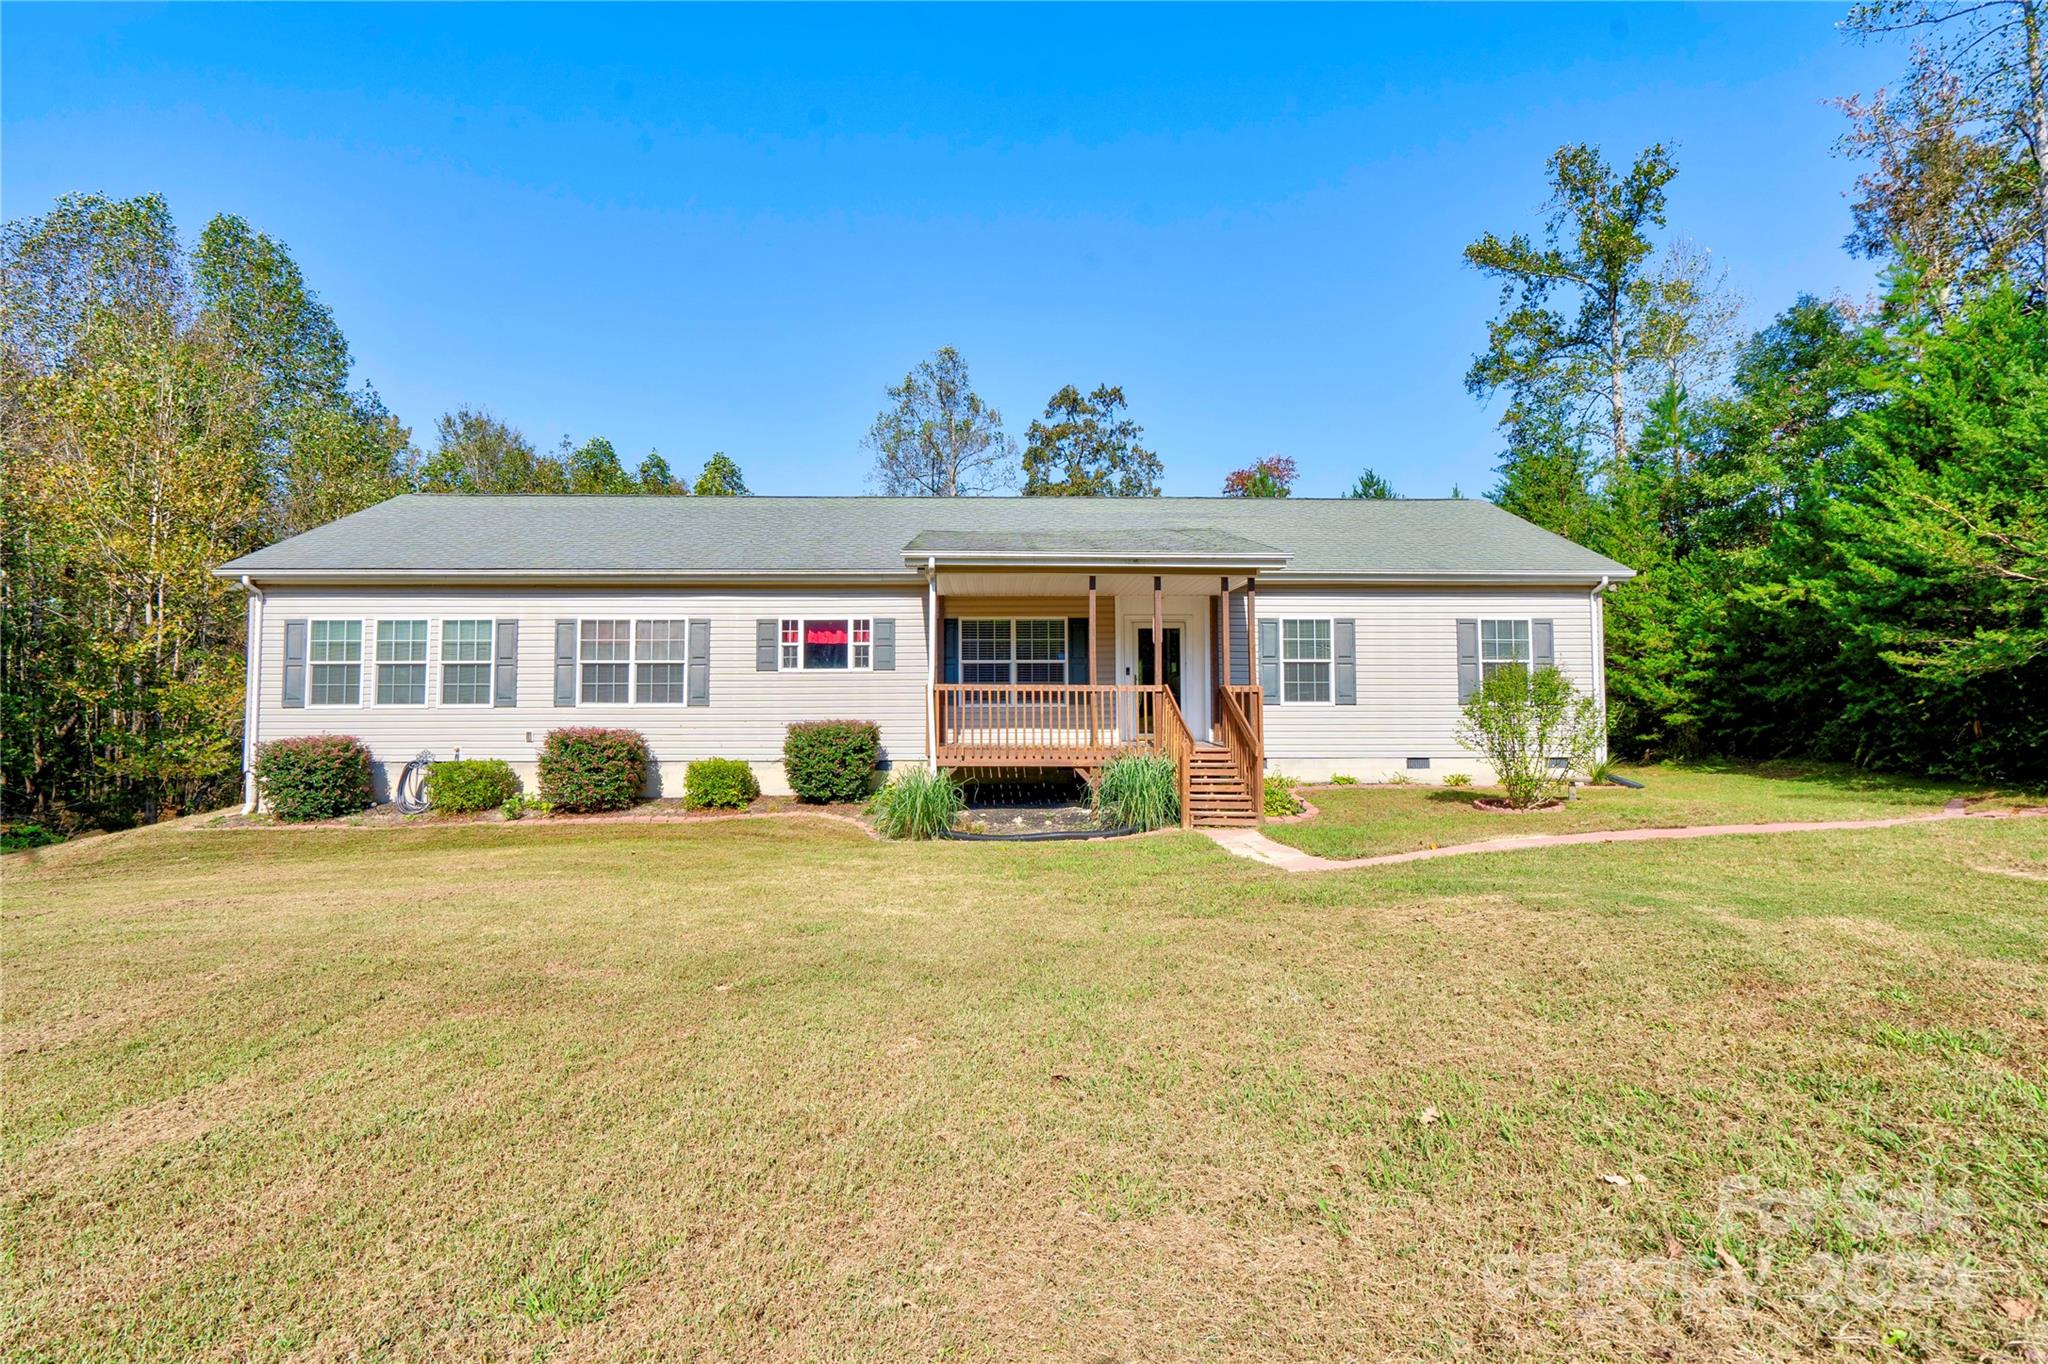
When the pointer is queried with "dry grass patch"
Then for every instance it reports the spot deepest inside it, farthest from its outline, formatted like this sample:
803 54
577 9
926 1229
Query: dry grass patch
777 1091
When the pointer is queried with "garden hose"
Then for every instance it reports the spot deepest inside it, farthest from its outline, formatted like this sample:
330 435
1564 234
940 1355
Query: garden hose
410 795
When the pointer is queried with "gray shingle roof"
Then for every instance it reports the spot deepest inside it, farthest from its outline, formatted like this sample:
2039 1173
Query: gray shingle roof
453 533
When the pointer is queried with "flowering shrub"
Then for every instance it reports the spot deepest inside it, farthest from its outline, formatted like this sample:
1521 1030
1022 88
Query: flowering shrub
317 776
592 769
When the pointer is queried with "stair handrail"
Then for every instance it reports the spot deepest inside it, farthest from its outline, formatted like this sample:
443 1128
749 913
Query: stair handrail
1241 725
1175 739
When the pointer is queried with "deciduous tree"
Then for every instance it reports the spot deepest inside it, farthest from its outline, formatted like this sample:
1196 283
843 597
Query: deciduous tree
937 438
1085 446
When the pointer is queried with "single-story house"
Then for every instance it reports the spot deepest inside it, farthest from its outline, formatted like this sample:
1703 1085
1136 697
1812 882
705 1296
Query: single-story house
1244 636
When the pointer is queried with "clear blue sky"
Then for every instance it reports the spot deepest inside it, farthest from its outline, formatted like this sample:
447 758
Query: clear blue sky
708 228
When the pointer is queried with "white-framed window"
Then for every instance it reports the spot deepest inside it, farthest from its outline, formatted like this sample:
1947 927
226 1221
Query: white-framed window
1041 652
401 663
466 661
1305 662
811 643
985 652
632 662
1504 644
334 663
659 662
1002 652
604 662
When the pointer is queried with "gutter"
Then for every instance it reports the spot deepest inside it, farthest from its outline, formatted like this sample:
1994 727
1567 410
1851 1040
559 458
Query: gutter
252 661
1596 631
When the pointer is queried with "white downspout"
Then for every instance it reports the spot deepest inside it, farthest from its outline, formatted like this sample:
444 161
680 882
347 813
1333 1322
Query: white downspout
933 632
1596 629
252 659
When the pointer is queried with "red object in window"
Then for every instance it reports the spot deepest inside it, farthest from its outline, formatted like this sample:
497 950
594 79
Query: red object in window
825 632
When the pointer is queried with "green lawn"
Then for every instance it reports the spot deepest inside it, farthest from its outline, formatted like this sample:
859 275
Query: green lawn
775 1090
1360 821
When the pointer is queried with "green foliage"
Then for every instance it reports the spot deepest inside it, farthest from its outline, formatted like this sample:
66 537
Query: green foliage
478 453
1272 476
1279 797
1343 779
520 805
1138 789
937 438
1086 447
317 776
1600 771
590 768
1457 779
463 786
721 478
831 760
26 834
1370 485
918 803
593 467
719 784
654 476
1568 352
1518 721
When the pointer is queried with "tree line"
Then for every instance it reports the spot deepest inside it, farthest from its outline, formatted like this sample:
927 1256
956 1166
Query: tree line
1840 521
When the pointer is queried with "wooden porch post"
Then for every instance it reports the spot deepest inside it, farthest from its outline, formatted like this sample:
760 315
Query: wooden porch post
1091 629
1222 630
1251 631
1158 636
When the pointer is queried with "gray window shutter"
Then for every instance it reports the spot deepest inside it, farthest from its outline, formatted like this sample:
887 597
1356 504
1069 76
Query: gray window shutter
1269 661
885 646
505 677
1468 660
767 645
1543 644
295 663
1344 645
699 674
565 662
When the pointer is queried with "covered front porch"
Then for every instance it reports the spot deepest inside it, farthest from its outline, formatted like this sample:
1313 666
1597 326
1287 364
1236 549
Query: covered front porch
1062 666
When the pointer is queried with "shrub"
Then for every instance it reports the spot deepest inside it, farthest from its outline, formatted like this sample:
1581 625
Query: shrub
1518 721
1280 797
1457 779
317 776
1343 779
521 804
719 784
919 802
28 834
592 769
828 760
1600 772
1138 789
465 785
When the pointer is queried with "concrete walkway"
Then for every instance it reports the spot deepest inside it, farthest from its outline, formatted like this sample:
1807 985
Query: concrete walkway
1250 843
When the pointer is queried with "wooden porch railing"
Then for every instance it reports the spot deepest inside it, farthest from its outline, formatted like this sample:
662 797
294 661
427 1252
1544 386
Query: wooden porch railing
1049 725
1241 724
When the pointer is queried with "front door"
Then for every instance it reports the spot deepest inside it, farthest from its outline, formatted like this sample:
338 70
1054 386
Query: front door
1172 652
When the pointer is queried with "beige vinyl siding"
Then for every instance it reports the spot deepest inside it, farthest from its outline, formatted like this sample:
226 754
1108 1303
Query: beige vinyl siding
747 716
1407 674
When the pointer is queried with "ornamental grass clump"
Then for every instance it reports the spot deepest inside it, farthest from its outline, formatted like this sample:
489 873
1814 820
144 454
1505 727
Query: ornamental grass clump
315 776
919 802
588 768
1138 790
1520 722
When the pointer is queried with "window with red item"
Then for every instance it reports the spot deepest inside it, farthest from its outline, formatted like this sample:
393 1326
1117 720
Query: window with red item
836 643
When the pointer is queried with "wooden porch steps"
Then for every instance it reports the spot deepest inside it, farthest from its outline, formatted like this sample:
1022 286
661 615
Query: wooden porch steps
1217 797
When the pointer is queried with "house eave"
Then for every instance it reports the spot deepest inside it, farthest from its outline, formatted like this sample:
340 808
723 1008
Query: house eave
360 577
